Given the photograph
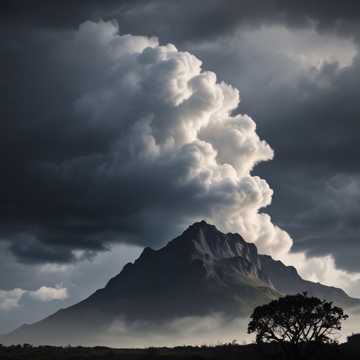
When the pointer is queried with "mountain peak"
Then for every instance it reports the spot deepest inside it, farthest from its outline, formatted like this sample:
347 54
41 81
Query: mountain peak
203 271
202 237
210 243
198 226
202 224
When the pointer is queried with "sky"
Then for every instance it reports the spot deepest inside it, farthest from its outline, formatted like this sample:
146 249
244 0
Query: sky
122 122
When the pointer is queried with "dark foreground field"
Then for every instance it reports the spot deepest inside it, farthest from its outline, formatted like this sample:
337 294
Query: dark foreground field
252 351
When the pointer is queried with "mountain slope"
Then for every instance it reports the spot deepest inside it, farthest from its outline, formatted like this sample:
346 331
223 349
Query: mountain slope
286 280
201 272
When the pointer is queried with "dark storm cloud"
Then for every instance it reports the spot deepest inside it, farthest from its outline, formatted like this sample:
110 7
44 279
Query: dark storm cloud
84 165
60 14
318 115
323 218
316 171
181 20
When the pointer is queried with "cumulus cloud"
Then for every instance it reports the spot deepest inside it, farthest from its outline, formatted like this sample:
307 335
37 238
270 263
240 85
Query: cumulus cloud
10 299
308 114
185 130
46 293
146 142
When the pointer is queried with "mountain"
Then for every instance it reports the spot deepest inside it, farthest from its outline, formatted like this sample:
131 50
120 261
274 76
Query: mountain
201 272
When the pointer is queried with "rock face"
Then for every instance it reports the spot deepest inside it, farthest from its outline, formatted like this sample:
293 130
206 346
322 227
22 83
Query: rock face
201 272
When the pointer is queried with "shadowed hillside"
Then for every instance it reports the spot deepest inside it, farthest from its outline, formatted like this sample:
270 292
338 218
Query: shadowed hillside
200 273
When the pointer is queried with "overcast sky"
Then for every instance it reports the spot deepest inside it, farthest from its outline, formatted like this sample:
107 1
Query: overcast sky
112 139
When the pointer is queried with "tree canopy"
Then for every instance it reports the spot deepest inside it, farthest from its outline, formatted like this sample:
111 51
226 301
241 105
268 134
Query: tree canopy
296 319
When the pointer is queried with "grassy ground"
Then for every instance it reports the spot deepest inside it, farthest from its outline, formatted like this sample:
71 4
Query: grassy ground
229 352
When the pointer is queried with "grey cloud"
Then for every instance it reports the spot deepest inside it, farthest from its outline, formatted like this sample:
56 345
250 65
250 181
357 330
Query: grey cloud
182 21
330 224
92 167
274 90
80 280
321 144
309 116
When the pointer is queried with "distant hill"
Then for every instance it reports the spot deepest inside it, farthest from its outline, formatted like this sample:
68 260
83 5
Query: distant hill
202 271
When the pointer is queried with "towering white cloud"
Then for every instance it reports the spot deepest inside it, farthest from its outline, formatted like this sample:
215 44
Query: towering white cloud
175 126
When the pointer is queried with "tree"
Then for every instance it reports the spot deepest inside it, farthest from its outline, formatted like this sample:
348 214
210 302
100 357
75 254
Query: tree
295 321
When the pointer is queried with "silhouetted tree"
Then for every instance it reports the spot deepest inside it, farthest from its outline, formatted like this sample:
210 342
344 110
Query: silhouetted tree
295 321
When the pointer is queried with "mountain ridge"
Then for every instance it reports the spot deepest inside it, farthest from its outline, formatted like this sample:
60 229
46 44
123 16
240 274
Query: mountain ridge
203 271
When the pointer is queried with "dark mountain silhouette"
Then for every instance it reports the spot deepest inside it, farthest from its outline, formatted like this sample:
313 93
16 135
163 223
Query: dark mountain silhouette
201 272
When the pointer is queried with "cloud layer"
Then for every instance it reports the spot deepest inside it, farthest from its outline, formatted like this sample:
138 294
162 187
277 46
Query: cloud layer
182 21
276 90
142 139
